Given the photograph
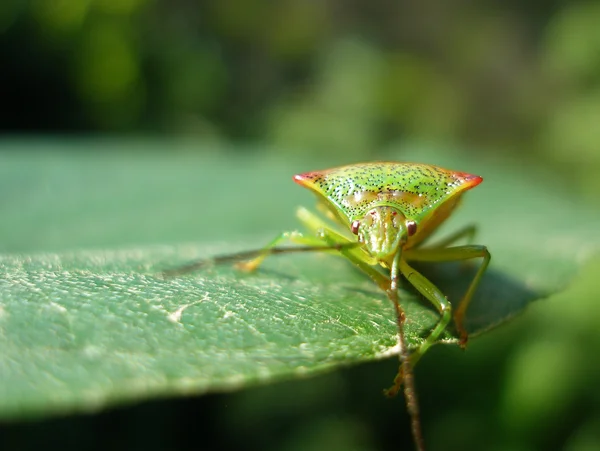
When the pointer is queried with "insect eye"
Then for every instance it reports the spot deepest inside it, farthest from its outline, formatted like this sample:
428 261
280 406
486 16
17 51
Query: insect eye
411 227
354 227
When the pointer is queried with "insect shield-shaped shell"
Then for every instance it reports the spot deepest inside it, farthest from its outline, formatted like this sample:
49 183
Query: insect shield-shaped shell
421 195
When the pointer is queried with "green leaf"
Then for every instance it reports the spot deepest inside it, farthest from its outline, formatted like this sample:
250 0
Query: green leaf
82 329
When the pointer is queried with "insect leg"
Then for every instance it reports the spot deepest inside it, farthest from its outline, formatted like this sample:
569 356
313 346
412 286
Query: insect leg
359 258
455 254
313 223
436 297
329 235
390 286
296 237
251 260
405 373
467 231
256 256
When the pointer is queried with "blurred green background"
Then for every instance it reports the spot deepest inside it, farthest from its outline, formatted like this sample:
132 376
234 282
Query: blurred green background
341 77
338 81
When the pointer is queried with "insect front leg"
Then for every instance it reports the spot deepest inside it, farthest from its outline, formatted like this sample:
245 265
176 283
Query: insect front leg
318 240
360 259
350 250
456 254
250 260
295 236
405 374
436 297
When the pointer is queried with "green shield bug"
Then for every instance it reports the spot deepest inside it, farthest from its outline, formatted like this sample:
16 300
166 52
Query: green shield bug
384 212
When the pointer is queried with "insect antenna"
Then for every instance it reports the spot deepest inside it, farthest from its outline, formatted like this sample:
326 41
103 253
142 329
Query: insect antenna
249 255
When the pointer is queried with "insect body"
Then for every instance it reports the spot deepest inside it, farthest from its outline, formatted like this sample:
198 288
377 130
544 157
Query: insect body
384 211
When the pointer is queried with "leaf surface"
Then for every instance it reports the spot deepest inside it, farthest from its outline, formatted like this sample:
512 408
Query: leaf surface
83 326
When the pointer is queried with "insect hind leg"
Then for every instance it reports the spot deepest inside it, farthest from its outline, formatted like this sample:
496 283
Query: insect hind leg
458 253
467 232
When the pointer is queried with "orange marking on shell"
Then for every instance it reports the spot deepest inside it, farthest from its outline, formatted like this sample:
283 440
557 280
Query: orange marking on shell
416 189
360 196
414 199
